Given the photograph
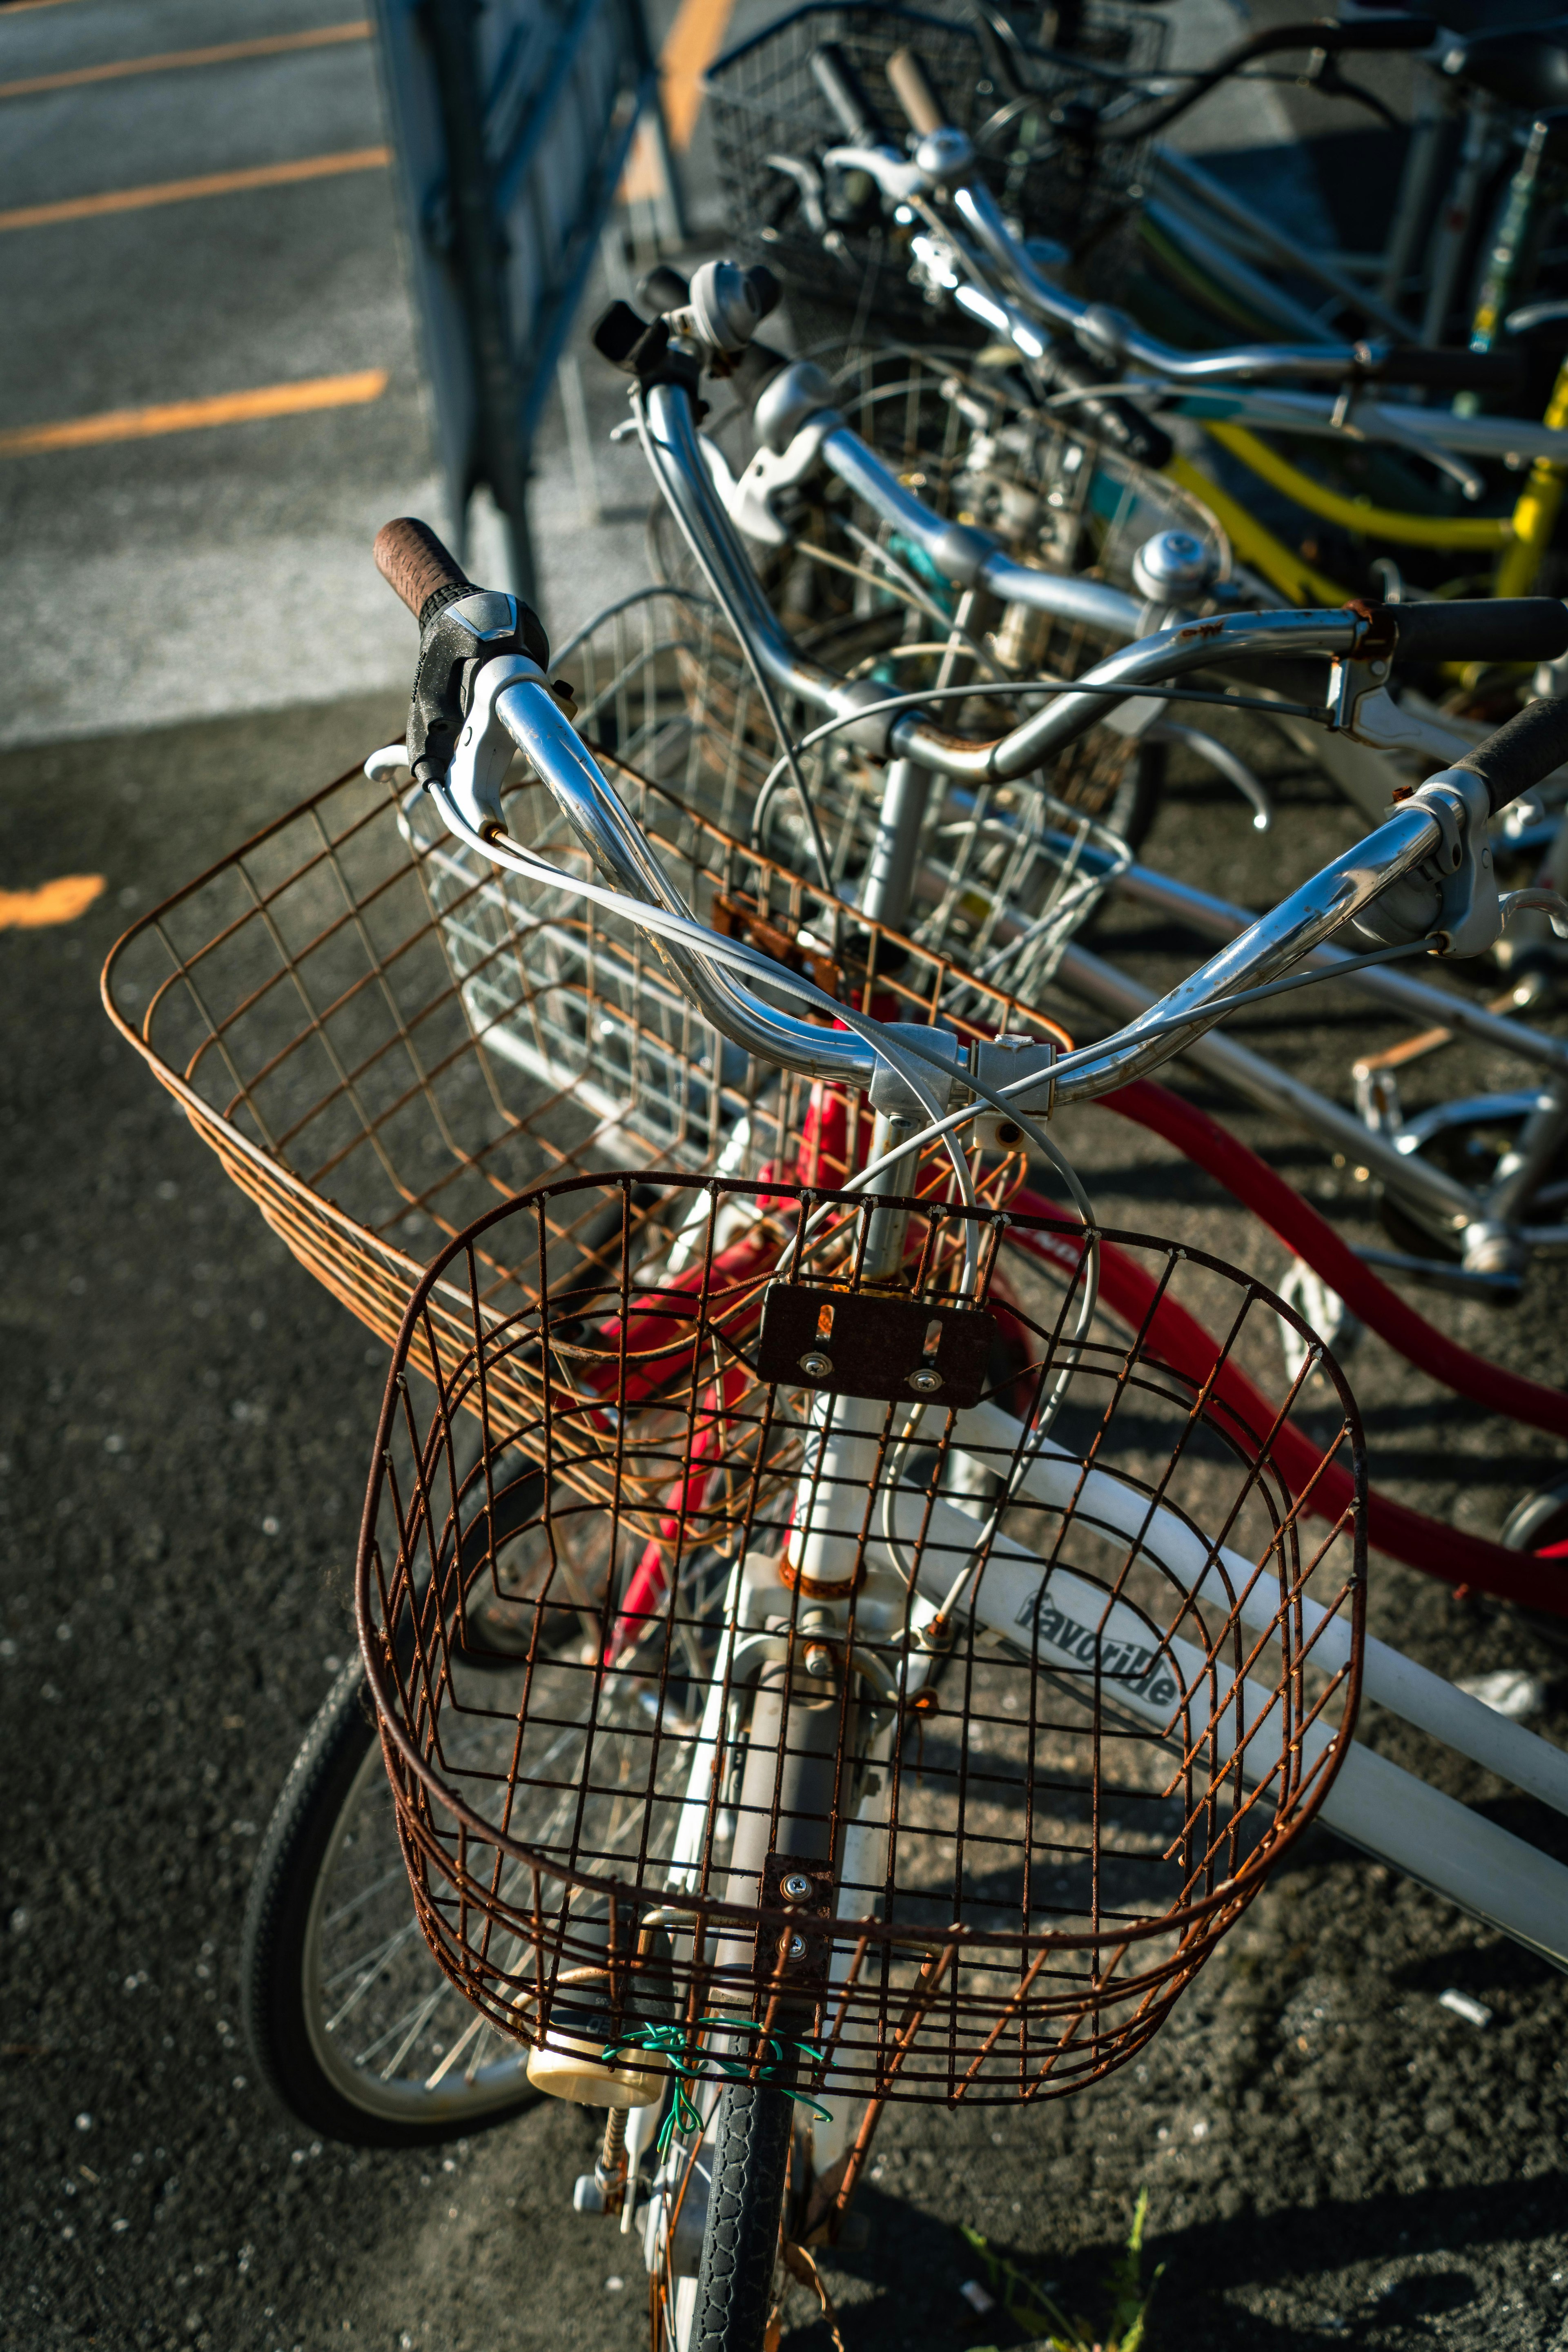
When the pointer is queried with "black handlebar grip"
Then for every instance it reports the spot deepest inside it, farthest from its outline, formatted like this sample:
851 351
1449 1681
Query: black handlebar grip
411 559
1481 629
663 290
911 85
1498 371
1384 32
1532 744
846 93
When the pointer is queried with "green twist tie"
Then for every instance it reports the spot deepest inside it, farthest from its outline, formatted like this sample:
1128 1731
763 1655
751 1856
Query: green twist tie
670 2043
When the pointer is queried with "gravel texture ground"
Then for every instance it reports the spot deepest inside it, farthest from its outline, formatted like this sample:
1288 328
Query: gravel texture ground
1331 2154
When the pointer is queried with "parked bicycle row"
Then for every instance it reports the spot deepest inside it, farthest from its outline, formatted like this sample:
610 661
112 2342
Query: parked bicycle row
843 1625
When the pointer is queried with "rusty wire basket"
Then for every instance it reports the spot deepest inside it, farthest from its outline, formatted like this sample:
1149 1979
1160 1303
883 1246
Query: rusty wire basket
381 1037
1070 1674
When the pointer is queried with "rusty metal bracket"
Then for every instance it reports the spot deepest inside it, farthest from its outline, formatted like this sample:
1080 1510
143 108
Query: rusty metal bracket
890 1350
786 1957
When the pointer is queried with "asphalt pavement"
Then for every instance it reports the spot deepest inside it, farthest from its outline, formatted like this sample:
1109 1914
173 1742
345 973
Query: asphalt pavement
194 638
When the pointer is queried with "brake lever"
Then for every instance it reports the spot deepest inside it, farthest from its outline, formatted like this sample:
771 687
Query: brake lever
939 156
809 183
1323 73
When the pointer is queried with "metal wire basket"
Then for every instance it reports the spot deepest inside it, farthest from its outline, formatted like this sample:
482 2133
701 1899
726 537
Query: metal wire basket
867 602
1039 154
1071 1680
962 431
381 1037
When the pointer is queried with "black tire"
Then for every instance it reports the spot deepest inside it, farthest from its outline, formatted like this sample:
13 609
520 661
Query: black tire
334 1778
745 2207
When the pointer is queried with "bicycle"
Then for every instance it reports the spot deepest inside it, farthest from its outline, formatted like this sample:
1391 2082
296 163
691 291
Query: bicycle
1449 1229
965 253
768 1399
315 1016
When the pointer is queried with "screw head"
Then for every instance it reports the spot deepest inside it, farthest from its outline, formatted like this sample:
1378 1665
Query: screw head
795 1888
815 1365
796 1947
925 1383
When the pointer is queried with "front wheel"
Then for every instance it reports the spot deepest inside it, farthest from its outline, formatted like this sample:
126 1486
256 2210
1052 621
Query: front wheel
745 2211
351 2024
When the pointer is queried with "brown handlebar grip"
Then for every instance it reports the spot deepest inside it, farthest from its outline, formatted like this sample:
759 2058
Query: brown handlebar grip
411 559
911 85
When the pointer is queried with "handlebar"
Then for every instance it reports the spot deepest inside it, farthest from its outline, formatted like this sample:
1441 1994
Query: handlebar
508 702
1112 338
1516 629
1503 629
1323 34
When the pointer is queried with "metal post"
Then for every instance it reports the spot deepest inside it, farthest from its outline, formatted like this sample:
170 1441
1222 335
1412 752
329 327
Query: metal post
497 456
890 871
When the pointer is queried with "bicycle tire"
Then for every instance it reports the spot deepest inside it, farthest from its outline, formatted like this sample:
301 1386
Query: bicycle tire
745 2209
279 1945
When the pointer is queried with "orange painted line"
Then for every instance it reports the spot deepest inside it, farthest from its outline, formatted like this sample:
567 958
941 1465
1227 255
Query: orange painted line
271 45
193 415
691 46
215 183
60 901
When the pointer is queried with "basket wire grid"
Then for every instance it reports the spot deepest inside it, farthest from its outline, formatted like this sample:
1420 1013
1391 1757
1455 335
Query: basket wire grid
381 1036
1007 853
962 431
763 102
1026 1846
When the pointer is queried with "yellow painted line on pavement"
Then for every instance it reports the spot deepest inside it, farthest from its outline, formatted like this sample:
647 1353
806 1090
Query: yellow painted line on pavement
193 415
213 183
271 45
60 901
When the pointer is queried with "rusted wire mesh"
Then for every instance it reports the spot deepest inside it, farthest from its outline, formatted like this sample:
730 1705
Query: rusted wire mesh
381 1037
931 1699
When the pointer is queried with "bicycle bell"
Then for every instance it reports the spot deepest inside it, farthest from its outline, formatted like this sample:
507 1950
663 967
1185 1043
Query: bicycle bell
1174 568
